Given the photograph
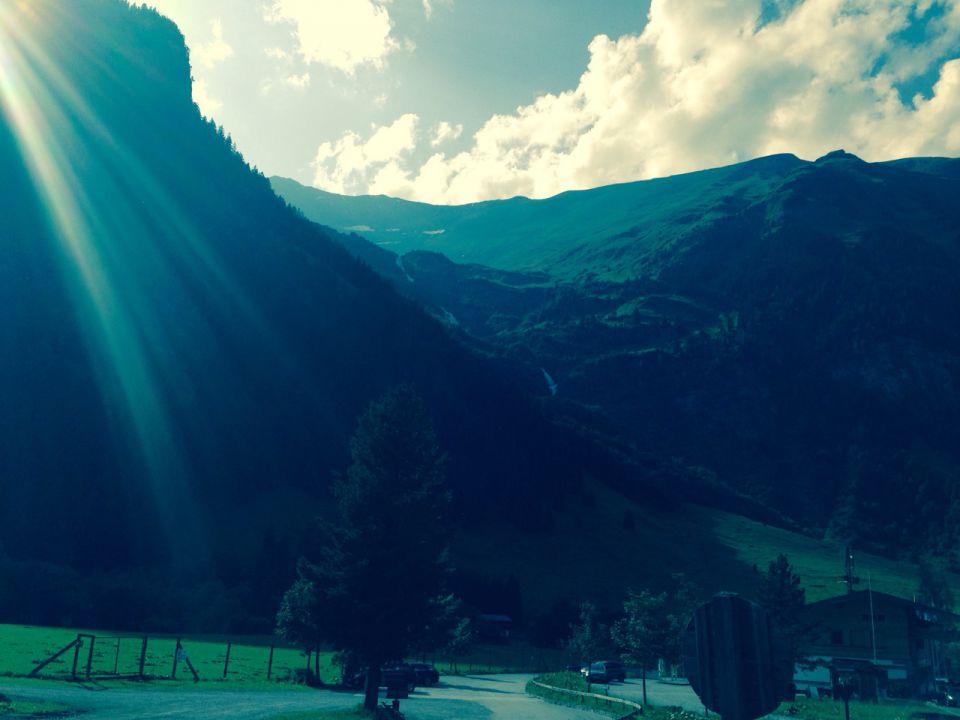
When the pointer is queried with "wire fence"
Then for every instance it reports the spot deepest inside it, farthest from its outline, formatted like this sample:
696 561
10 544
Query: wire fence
99 656
89 656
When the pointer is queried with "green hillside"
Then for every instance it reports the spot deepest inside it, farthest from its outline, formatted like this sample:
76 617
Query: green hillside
780 331
523 234
590 555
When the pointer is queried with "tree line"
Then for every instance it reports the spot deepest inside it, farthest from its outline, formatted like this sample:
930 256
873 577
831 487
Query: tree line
377 589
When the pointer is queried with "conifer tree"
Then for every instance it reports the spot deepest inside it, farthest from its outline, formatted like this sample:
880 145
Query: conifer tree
783 597
384 562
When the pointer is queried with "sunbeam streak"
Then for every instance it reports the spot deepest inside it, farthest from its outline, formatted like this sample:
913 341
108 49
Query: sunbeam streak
40 111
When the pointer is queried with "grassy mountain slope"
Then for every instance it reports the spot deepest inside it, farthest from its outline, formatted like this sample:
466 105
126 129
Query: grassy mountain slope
715 549
782 328
545 234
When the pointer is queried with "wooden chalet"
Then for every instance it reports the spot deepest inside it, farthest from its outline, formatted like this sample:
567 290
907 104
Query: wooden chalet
882 644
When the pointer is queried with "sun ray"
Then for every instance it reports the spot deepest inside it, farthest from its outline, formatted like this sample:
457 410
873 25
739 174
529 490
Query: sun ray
36 104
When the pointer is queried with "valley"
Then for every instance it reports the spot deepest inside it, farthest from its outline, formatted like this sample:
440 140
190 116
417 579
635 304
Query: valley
257 416
757 333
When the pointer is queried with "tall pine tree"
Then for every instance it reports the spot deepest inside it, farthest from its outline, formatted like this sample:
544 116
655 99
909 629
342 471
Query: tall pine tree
384 562
782 596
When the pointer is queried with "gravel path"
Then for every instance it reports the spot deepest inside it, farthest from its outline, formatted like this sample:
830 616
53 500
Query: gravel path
488 697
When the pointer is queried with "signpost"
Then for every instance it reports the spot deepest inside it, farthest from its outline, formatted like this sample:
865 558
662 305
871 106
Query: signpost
735 663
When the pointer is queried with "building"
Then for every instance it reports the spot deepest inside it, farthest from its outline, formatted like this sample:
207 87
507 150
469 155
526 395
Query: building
880 643
494 627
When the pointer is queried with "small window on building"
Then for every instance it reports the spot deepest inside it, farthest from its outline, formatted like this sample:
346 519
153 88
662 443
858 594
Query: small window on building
836 637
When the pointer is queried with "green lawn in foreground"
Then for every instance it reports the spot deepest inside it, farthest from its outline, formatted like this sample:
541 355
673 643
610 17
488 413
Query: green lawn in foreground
828 709
349 714
24 708
22 647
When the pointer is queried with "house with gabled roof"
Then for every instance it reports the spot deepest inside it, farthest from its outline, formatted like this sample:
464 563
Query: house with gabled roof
882 644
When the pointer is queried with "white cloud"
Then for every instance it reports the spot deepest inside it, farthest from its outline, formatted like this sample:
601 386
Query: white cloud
352 165
342 34
208 104
444 132
708 83
279 54
428 6
212 53
298 82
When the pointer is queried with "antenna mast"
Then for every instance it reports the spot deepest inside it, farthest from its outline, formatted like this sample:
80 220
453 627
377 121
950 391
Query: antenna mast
849 576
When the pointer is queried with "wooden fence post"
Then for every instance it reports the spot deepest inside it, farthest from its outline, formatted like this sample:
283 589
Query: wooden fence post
116 660
176 659
193 670
76 656
70 646
270 663
143 655
226 661
93 640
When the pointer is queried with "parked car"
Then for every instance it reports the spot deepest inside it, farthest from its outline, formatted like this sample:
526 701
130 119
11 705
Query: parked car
605 671
426 674
392 676
398 674
945 695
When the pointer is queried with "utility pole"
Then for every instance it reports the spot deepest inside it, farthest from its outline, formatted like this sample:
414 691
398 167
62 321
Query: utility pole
849 576
873 624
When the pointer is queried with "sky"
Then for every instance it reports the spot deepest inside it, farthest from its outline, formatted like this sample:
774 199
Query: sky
456 101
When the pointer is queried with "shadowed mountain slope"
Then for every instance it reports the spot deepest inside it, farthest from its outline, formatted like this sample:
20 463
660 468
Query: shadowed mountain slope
181 348
785 328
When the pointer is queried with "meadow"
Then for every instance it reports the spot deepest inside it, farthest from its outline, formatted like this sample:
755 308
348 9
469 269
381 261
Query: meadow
23 647
594 553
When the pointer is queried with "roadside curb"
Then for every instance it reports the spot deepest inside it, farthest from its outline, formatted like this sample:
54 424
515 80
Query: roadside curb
630 708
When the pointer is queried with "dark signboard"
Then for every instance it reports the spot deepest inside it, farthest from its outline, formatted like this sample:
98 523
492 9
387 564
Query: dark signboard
735 663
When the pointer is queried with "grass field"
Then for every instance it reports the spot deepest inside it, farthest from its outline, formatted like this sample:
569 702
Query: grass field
25 709
828 709
352 714
22 647
717 550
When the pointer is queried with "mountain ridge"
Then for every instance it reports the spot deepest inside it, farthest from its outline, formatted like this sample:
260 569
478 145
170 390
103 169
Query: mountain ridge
786 326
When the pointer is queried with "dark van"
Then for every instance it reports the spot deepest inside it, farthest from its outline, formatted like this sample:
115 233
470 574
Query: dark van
605 671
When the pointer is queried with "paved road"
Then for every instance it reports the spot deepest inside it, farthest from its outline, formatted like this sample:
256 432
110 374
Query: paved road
488 697
485 697
135 703
658 693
